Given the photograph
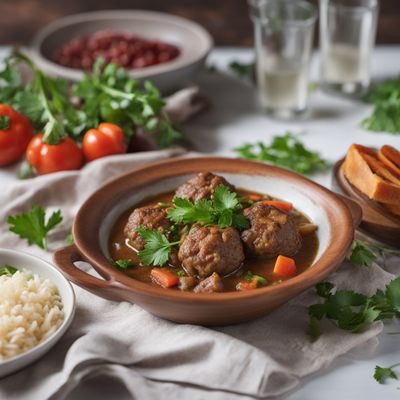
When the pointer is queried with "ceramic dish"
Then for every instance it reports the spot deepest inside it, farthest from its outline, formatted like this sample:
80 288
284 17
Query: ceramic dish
192 40
44 269
377 222
97 215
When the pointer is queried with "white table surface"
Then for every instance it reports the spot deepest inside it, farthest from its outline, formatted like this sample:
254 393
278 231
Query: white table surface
332 125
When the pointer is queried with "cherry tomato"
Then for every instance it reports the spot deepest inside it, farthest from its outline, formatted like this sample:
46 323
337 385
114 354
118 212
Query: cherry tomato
107 139
15 133
47 158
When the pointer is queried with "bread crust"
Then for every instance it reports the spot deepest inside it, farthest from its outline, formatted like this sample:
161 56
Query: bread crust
367 173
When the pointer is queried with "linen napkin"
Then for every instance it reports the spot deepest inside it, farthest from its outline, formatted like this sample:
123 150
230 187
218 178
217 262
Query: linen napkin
158 359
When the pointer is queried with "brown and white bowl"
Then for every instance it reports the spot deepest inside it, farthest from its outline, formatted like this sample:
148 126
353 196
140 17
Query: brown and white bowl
97 215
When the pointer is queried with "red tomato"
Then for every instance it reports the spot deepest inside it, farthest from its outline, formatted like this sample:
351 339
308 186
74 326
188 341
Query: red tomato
15 133
107 139
47 158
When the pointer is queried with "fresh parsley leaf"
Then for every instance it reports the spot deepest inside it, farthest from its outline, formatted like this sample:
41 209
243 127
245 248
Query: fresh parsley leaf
261 281
314 330
385 116
156 248
8 269
32 226
181 273
224 210
286 151
243 70
361 254
70 239
382 373
123 264
354 311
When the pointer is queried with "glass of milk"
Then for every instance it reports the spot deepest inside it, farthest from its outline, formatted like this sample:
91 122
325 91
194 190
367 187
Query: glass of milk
347 37
283 32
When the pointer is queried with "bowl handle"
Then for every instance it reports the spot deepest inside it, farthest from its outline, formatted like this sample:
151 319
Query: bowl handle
65 258
355 209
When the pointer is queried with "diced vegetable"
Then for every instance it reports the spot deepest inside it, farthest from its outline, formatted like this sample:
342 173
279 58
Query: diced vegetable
251 282
307 229
285 267
164 277
282 205
246 285
255 197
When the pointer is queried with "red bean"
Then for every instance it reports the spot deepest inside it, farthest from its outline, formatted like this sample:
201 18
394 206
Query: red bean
126 50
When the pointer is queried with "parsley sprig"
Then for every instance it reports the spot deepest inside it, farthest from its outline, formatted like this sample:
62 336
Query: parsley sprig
8 269
32 225
385 116
261 281
383 373
353 311
286 151
364 253
156 248
223 210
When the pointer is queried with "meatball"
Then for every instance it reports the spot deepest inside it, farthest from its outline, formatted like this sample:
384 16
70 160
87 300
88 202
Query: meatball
211 284
202 186
151 217
272 232
211 249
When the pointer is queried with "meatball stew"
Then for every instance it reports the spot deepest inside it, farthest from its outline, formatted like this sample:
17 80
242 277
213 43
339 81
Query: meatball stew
210 237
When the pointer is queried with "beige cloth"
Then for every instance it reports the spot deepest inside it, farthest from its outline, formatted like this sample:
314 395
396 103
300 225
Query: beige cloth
157 359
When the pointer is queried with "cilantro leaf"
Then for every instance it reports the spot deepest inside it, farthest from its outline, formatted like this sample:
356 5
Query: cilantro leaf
32 226
361 254
123 264
385 116
261 281
382 373
223 210
156 248
8 269
354 311
286 151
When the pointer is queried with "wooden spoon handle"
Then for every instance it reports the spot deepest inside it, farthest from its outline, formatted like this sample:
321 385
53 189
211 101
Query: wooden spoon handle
65 258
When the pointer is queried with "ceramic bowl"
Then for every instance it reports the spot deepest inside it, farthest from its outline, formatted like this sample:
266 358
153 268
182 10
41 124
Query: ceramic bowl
44 269
193 41
97 215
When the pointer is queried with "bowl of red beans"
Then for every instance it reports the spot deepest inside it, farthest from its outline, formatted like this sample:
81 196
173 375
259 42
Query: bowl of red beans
166 49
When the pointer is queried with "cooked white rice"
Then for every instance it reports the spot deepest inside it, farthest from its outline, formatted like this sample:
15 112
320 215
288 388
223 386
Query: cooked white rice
30 311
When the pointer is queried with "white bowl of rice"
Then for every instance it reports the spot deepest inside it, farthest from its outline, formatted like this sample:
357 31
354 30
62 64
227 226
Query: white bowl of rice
37 305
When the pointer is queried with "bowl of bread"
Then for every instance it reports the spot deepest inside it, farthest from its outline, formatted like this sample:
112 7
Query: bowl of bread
371 177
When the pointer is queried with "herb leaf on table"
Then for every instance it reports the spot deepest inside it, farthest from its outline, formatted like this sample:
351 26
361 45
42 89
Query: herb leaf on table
243 70
353 311
32 225
286 151
385 116
382 373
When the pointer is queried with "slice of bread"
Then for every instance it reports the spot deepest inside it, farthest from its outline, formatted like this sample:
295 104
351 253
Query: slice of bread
361 167
390 157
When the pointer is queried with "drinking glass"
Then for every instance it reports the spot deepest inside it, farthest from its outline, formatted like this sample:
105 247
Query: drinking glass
283 32
347 37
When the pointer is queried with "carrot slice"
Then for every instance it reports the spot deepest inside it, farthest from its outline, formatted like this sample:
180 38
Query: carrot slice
164 277
282 205
254 197
244 285
285 267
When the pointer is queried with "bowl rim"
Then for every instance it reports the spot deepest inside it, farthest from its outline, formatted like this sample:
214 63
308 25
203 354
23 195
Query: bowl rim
60 331
148 72
338 214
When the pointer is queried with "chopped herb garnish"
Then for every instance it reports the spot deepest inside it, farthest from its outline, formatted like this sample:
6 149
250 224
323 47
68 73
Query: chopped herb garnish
364 253
224 210
163 204
8 270
32 225
123 264
181 273
286 151
385 116
156 247
261 281
353 311
382 373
